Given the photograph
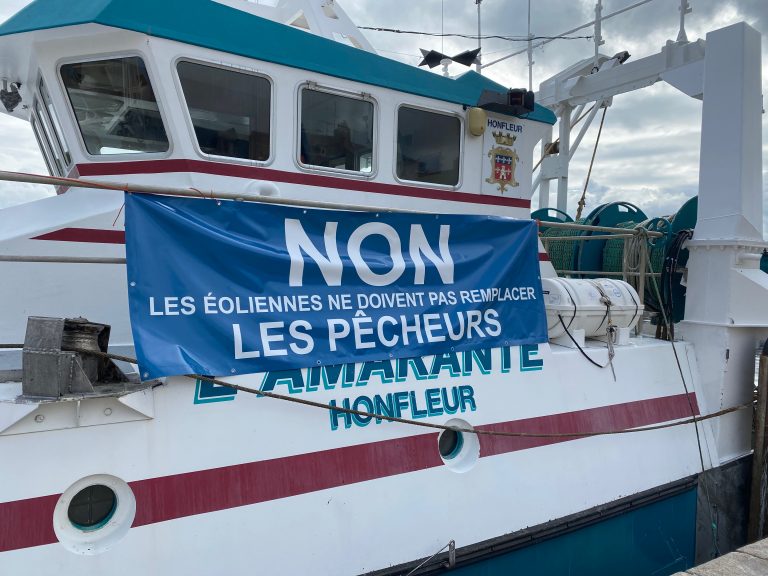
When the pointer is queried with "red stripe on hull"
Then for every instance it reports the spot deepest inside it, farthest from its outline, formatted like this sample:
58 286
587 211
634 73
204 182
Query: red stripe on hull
271 175
160 499
27 523
616 417
89 235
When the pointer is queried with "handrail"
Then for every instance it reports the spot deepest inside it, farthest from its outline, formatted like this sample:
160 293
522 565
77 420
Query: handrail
586 238
60 259
588 227
192 193
605 273
637 237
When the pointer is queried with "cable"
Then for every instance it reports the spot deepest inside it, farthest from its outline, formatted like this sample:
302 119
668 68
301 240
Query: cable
668 274
473 36
429 559
557 142
564 34
582 200
401 53
421 424
670 332
578 346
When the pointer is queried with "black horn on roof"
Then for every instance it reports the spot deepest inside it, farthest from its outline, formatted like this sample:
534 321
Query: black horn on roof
433 58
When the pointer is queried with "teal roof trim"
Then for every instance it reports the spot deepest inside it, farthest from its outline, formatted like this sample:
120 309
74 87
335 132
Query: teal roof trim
212 25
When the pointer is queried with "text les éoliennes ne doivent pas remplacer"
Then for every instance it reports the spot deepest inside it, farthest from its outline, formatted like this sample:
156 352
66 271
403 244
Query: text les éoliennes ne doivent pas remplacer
272 291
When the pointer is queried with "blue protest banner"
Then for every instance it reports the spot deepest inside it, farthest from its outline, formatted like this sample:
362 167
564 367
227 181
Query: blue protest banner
221 288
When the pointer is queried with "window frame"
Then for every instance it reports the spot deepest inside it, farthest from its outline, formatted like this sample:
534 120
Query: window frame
188 115
159 98
55 122
38 109
42 142
356 95
443 112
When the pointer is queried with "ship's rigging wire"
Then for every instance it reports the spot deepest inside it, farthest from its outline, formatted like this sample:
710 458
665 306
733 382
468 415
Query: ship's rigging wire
565 34
342 410
474 36
583 199
556 143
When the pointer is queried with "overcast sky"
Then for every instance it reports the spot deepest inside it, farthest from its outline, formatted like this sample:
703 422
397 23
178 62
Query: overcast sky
649 150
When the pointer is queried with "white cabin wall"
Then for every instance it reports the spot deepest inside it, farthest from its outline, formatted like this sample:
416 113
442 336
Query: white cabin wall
161 57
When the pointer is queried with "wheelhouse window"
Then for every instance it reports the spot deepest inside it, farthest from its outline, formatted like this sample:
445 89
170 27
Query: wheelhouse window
50 114
230 110
115 106
45 147
336 131
43 128
428 146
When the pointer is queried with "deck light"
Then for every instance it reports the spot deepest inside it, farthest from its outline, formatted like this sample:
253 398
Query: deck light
516 101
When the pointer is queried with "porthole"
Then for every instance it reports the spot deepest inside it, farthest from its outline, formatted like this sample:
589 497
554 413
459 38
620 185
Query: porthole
92 507
94 514
449 443
459 451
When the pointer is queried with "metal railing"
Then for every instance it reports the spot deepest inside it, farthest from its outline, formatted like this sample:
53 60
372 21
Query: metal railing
635 257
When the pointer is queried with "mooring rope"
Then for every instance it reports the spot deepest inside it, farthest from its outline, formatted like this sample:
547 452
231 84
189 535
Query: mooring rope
342 410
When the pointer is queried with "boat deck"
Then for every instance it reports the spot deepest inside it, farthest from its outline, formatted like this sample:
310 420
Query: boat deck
750 560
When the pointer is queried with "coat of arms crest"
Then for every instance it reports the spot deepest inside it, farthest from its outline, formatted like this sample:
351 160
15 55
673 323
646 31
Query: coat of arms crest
503 162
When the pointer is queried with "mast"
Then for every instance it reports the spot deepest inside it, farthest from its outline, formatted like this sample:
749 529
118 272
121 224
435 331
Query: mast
598 32
530 50
685 8
478 66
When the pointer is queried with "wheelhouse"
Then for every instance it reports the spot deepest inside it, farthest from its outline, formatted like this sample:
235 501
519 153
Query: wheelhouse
199 108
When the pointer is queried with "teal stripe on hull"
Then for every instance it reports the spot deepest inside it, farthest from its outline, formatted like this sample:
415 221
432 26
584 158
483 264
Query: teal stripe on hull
658 539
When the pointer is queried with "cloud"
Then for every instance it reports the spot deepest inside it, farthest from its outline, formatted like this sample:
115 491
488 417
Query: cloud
19 153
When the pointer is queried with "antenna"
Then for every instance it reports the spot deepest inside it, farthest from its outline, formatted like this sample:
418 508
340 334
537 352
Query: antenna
530 50
479 35
598 33
571 31
442 31
685 8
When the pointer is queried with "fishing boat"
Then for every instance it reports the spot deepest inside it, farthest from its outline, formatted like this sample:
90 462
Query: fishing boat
601 450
